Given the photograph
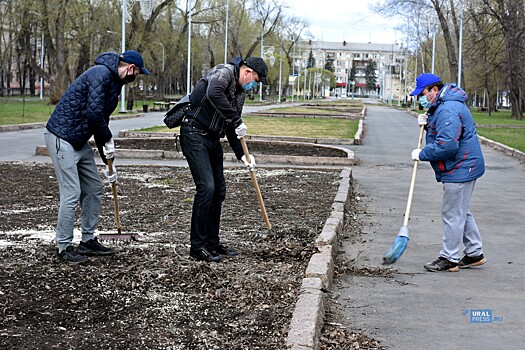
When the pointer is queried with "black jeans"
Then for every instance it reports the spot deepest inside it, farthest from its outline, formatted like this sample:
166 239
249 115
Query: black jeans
205 158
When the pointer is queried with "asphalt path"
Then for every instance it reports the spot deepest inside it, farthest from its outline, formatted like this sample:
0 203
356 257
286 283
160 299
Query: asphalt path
416 309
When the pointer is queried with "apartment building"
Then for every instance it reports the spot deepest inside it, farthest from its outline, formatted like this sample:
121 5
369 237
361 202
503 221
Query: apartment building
389 59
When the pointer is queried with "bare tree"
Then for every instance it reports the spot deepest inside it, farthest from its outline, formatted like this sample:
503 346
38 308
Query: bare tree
446 15
510 16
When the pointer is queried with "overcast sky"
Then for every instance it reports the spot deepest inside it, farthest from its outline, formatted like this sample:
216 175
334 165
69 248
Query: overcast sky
350 20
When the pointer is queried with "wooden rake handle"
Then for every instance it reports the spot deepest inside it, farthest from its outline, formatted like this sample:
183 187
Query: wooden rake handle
413 181
115 195
256 185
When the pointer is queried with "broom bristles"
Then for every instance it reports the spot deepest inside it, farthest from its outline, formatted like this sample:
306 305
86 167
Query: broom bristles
398 248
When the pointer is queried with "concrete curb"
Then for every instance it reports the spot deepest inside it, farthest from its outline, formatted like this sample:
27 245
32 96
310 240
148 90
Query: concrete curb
495 145
326 141
502 148
308 316
230 157
358 138
18 127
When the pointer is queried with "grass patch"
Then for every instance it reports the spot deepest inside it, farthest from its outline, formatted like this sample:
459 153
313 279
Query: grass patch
514 138
295 127
497 118
33 110
305 110
22 112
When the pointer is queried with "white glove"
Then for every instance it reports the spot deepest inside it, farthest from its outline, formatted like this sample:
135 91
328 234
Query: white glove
251 165
109 149
241 130
422 119
415 154
111 178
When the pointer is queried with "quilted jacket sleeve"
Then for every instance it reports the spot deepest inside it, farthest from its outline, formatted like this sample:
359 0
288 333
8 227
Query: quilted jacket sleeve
97 111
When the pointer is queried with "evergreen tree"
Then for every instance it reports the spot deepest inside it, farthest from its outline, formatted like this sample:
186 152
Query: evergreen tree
329 65
353 72
311 60
370 76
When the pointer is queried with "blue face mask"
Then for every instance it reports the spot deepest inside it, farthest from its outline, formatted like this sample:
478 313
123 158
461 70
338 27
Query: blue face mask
424 102
249 86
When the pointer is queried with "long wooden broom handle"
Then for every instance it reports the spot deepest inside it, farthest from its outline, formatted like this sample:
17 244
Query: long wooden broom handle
256 185
115 195
414 171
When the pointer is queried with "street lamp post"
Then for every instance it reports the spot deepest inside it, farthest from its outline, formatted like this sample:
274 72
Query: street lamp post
123 91
262 56
267 53
400 75
293 68
188 68
460 48
280 69
226 32
390 68
299 78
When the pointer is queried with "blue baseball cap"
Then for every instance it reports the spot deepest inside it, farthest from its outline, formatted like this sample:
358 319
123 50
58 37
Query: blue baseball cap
424 80
134 57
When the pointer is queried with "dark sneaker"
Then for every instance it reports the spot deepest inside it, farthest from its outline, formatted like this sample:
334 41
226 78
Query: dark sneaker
204 254
441 264
223 250
72 257
94 248
468 261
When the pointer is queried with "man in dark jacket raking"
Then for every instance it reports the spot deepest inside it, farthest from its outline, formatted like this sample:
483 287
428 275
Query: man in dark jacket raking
81 113
453 149
217 103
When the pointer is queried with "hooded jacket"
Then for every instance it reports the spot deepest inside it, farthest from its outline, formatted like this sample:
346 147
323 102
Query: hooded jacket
87 104
452 145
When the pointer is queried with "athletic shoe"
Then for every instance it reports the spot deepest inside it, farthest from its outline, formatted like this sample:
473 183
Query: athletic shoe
70 256
441 264
468 261
94 248
223 250
204 254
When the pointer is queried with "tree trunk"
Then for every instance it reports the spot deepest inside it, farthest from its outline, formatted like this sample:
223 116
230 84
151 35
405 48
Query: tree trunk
513 32
449 43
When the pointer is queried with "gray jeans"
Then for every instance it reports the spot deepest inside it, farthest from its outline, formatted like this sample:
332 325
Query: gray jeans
459 225
78 181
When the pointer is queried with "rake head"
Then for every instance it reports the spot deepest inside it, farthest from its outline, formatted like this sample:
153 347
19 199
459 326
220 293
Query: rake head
118 237
398 248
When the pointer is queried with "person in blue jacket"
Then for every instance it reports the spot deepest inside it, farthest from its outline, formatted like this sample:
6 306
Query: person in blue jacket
453 149
83 112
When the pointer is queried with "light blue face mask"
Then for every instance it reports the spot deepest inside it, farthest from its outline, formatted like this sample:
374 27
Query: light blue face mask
424 102
249 86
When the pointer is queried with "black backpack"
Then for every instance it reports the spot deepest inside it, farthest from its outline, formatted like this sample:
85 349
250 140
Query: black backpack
173 118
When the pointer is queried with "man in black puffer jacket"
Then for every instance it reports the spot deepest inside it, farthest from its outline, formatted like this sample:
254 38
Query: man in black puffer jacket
81 113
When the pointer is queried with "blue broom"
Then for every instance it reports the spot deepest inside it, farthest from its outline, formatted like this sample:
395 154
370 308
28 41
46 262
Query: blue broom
400 244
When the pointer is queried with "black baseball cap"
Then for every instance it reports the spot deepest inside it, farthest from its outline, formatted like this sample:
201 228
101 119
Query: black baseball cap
259 66
134 57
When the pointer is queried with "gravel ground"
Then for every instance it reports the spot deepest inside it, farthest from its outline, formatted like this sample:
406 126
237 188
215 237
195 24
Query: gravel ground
151 295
